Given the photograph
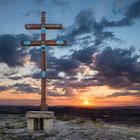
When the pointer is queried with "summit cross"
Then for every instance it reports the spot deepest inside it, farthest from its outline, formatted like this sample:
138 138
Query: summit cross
43 43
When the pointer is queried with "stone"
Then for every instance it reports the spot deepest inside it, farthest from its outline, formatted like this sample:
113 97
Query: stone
40 120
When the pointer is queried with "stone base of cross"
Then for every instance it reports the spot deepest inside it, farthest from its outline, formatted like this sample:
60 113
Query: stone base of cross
40 120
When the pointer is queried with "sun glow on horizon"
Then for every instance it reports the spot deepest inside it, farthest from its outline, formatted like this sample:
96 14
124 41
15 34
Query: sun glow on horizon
87 103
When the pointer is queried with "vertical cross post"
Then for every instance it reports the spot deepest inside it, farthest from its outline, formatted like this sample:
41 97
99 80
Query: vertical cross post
44 106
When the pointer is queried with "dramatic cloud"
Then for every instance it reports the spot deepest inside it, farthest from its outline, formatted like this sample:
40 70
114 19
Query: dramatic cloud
70 64
115 67
99 29
118 67
85 83
124 68
132 13
9 52
91 26
25 88
85 55
117 94
67 93
21 87
55 65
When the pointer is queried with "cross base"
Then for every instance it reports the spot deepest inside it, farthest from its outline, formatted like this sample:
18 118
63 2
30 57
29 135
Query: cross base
40 120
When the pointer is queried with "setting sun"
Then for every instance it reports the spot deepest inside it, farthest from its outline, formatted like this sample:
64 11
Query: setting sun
86 102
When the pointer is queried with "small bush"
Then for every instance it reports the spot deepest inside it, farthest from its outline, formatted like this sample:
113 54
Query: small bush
2 132
65 117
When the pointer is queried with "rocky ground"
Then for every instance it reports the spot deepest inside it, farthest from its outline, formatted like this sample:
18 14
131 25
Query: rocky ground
13 127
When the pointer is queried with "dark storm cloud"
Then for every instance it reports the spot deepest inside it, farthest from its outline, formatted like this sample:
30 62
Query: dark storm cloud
85 55
70 64
9 49
112 62
53 74
118 67
24 88
80 27
130 14
66 65
117 94
27 88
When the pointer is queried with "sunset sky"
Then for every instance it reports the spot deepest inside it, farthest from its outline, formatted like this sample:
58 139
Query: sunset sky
99 67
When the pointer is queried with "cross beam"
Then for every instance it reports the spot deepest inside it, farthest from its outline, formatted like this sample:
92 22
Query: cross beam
46 43
43 43
46 26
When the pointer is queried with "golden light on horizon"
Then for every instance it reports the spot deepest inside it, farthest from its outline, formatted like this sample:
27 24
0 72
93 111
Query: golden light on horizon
86 97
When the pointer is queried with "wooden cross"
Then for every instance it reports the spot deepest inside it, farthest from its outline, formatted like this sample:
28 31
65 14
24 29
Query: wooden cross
43 43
